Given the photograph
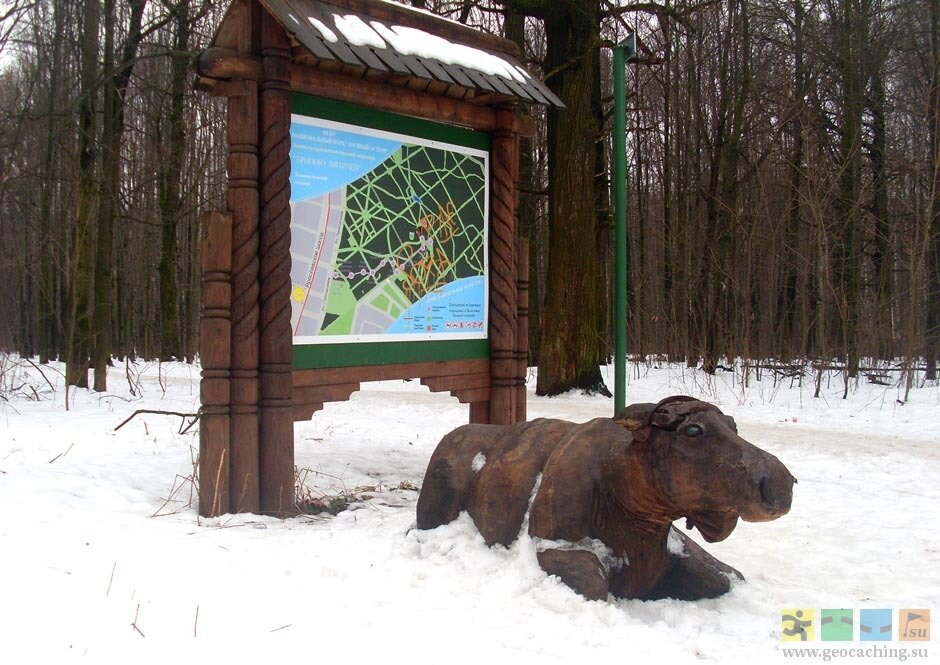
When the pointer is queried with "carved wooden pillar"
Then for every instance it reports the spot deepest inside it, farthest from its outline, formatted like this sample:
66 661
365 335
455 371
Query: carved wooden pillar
277 425
215 354
522 326
503 299
242 202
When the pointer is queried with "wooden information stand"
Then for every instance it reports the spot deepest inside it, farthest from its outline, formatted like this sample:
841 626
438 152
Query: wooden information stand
252 387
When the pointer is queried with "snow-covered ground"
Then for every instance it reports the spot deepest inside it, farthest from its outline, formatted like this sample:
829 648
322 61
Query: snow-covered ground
99 565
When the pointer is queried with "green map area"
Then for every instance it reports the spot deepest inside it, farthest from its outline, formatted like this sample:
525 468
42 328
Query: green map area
410 226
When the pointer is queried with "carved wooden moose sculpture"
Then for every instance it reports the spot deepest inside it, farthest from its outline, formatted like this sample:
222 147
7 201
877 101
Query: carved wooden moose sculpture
601 496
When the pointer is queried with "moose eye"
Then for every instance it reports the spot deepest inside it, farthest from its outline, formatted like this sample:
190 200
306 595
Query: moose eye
693 430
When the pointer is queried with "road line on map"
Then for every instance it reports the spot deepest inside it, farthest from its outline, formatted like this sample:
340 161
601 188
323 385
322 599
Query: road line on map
313 273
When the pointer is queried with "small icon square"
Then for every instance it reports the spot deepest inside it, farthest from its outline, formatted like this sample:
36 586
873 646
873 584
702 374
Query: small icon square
796 625
914 625
835 625
874 626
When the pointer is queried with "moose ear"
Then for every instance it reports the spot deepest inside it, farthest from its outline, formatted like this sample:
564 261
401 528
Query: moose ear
640 411
630 423
670 412
639 429
663 419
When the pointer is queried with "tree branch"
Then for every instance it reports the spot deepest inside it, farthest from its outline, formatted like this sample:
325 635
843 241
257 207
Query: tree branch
614 11
155 412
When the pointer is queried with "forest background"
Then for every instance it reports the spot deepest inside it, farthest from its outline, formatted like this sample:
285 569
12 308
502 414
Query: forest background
784 182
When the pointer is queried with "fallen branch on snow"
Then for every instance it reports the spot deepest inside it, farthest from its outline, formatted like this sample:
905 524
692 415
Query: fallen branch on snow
159 413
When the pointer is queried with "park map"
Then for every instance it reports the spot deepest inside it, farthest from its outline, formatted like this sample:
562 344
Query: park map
388 236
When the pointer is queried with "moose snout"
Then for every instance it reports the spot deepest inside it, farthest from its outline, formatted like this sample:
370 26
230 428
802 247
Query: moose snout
771 490
776 493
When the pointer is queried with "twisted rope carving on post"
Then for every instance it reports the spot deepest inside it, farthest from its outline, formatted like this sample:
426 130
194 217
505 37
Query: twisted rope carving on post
503 307
275 234
522 326
277 427
243 205
242 166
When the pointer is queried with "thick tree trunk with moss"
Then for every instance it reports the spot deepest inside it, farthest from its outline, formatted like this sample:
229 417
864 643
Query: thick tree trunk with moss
569 335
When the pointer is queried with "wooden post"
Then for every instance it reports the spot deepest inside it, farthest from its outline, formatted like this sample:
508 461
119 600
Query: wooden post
480 412
503 298
277 423
522 326
243 205
215 354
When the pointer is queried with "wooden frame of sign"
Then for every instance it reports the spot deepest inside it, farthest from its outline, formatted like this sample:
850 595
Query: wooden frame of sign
252 390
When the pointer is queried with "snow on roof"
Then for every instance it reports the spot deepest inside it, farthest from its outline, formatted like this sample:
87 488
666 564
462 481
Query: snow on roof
412 41
328 34
357 31
379 35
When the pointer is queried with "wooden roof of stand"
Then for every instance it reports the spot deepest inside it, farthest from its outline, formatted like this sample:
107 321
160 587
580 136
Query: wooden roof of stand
388 44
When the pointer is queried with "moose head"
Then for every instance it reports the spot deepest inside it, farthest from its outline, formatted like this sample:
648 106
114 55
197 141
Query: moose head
703 470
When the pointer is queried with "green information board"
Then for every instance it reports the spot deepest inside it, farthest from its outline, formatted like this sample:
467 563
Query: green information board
389 237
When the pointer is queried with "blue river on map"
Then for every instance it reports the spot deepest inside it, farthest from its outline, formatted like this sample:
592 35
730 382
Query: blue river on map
457 307
323 159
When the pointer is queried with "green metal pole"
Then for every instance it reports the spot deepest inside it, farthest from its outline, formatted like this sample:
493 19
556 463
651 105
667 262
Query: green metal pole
622 52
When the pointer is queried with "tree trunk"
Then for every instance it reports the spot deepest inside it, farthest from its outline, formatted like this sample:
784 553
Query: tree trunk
604 223
721 194
46 324
932 337
789 333
569 335
79 327
848 203
882 256
169 183
668 326
118 77
107 209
